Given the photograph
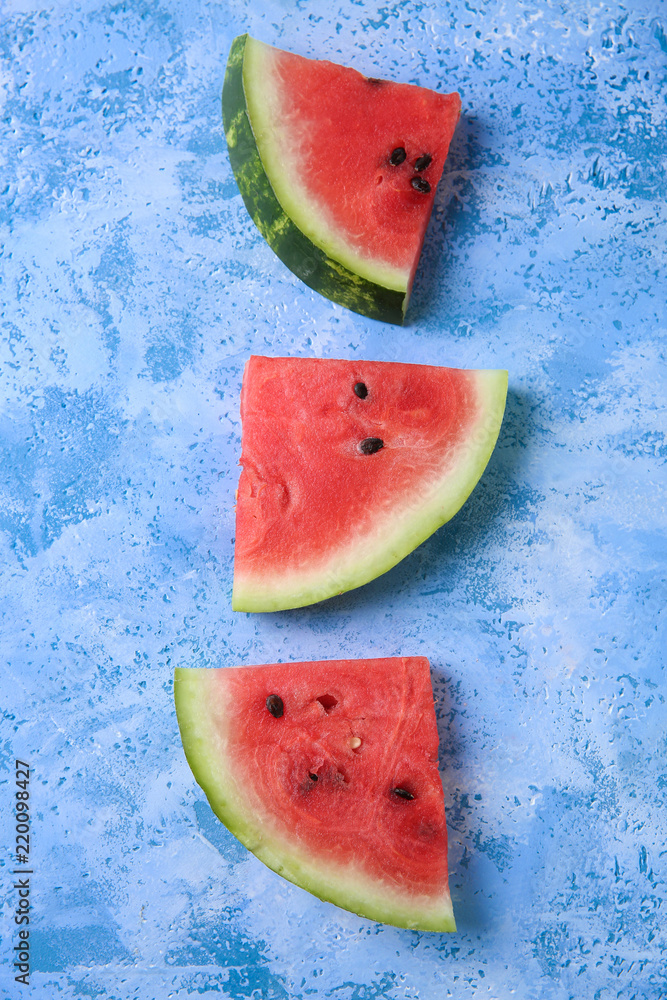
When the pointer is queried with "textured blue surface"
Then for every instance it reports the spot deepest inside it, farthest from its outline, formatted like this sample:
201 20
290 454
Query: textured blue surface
133 288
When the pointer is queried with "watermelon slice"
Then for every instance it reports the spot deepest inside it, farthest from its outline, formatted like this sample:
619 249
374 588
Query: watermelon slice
328 772
338 170
348 466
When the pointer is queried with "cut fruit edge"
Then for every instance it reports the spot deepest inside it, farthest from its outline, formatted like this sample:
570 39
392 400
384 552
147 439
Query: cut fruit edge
206 749
366 557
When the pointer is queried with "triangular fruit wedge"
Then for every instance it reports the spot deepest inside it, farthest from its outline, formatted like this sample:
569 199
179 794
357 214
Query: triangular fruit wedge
348 466
338 170
328 772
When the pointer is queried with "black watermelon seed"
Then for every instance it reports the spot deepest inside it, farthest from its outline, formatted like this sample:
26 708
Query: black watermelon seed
361 390
274 703
397 157
419 184
423 162
370 445
313 777
403 794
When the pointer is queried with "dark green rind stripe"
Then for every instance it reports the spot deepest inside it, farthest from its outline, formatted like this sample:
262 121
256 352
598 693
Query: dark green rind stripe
306 260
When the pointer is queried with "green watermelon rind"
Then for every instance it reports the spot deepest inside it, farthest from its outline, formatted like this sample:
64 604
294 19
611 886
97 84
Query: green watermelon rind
310 217
310 262
206 751
365 558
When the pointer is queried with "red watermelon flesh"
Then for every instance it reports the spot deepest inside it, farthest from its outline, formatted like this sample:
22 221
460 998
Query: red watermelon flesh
333 132
328 772
316 515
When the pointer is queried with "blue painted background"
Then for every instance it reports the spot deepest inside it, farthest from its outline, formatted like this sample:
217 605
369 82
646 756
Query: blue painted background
133 288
